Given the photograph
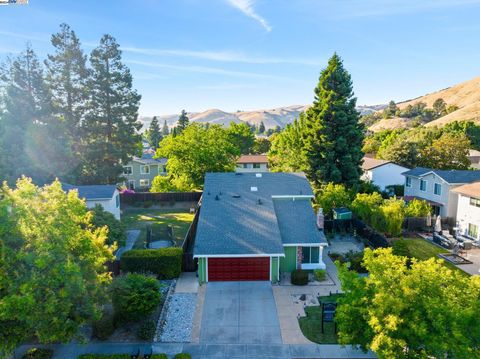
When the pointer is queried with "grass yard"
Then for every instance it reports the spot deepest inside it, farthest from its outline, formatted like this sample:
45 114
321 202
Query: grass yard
420 249
138 218
311 325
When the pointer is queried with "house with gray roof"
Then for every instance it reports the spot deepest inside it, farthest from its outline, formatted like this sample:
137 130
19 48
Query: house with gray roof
436 187
140 171
105 195
254 226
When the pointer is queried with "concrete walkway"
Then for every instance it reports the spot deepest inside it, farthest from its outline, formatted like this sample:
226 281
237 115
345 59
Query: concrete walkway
210 351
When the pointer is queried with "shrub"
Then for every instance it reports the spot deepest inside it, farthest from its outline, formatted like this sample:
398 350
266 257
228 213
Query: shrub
104 327
417 208
104 356
116 229
147 330
38 353
135 296
320 274
164 262
365 204
356 261
299 277
159 356
182 356
333 196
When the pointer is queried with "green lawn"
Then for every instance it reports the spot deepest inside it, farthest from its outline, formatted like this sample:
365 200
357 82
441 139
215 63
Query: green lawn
311 325
138 218
420 249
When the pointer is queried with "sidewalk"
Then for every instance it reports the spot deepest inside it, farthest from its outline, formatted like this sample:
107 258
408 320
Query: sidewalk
211 351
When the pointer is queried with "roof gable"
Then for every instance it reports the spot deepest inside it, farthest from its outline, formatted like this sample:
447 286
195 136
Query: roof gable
449 176
92 192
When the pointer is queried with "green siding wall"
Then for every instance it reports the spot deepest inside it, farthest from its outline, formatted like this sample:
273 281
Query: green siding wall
202 270
274 266
289 262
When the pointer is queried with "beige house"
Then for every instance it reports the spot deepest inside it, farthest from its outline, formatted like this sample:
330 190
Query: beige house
474 157
468 212
252 163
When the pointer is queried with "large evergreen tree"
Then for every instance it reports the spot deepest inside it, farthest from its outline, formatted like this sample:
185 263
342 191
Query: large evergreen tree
154 134
333 135
111 122
182 122
165 130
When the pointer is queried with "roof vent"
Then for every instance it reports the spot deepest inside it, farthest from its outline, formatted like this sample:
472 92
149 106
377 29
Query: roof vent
259 201
235 195
208 193
217 198
253 189
258 175
238 173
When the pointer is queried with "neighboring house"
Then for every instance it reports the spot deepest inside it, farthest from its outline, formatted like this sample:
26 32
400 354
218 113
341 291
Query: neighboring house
252 163
105 195
435 186
474 157
140 171
382 173
468 212
254 226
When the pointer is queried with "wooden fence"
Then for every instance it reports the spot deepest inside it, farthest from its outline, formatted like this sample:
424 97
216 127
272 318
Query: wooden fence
189 264
157 197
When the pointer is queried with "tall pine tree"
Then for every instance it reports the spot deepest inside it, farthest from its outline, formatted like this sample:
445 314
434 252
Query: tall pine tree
111 122
182 122
165 130
154 134
333 135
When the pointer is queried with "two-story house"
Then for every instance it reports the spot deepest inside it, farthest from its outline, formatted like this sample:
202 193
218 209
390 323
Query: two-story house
140 171
252 163
382 173
468 212
436 187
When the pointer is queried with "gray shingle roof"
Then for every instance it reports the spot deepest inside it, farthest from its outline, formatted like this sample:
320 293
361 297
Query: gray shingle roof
232 222
147 159
450 176
92 192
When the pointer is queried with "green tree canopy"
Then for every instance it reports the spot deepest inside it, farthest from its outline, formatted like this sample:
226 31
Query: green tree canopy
182 122
116 231
424 310
53 276
242 137
154 135
333 196
333 135
196 151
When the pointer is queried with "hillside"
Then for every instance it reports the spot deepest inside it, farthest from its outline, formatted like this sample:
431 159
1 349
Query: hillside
271 118
465 95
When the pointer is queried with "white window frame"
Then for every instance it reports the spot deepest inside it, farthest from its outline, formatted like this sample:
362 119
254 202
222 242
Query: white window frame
408 182
131 170
435 186
426 185
143 180
142 167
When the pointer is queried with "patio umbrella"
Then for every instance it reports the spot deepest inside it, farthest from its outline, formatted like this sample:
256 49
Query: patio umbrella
438 224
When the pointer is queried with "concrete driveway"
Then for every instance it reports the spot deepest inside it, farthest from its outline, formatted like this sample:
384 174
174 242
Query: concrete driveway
240 313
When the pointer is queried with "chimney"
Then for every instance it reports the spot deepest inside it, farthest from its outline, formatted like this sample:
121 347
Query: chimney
320 219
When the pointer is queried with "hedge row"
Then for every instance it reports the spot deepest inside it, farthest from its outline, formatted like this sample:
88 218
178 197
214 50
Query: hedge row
164 262
118 356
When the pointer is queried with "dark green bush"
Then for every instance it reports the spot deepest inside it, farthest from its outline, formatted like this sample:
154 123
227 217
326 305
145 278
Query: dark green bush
356 261
146 330
116 229
299 277
135 296
104 327
164 262
320 274
159 356
104 356
182 356
38 353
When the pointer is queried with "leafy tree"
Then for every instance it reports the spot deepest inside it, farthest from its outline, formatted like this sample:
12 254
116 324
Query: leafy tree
163 184
365 205
241 136
392 215
135 296
261 145
450 151
53 265
261 128
333 135
417 208
391 110
154 134
400 311
182 122
111 124
333 196
439 107
116 233
469 128
196 151
286 152
165 130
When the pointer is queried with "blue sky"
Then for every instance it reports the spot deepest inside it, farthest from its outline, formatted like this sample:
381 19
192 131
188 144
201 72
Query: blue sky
252 54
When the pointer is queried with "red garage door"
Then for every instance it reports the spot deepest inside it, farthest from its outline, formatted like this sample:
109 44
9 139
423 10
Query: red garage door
232 269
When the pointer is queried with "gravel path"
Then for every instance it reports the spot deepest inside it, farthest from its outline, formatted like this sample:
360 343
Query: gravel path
179 318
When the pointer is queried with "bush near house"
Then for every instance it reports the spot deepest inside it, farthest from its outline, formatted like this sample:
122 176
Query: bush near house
147 330
166 263
320 274
135 296
38 353
299 277
104 327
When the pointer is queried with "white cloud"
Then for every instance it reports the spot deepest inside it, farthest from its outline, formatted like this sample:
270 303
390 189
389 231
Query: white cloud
246 6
